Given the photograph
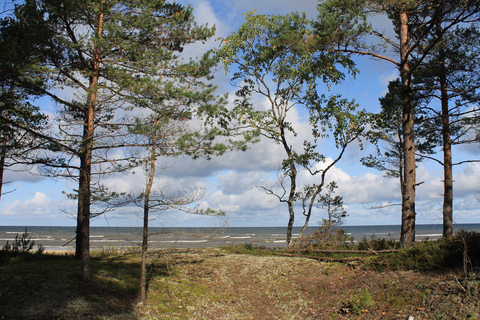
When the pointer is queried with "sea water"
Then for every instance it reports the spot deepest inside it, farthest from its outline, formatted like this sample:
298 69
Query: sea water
63 238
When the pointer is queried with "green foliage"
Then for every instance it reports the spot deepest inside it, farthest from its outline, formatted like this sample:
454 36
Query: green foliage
341 21
277 58
210 212
424 256
334 207
434 255
19 118
326 238
464 250
375 243
360 301
22 244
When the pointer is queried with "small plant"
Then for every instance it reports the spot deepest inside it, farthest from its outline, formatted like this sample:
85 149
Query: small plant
21 244
40 249
335 211
377 244
323 239
360 302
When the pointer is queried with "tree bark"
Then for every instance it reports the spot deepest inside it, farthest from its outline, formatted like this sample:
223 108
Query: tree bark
84 194
83 226
3 155
407 236
146 211
447 144
293 180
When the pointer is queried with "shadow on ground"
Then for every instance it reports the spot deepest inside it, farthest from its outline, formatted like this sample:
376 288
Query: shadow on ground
50 287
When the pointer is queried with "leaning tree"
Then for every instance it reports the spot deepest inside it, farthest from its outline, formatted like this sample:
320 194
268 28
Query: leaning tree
276 58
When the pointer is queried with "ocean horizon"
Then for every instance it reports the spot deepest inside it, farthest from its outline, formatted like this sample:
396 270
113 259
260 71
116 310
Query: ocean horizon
63 238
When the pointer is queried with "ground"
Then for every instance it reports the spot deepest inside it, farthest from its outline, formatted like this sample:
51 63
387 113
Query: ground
215 284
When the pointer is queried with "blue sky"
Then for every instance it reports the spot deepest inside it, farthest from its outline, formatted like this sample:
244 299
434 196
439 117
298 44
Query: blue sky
230 181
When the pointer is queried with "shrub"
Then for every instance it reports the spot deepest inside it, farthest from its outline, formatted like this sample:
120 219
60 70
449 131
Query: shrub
323 239
377 244
463 251
360 301
22 244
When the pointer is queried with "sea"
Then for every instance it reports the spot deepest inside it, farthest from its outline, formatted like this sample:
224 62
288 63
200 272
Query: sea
119 238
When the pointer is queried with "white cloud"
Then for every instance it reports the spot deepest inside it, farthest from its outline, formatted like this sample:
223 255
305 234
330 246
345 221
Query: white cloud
467 182
385 78
234 182
39 204
278 6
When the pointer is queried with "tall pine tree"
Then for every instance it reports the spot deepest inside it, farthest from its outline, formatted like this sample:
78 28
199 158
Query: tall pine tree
93 60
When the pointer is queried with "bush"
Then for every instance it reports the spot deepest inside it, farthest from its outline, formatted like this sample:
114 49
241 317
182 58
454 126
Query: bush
378 244
323 239
22 244
463 251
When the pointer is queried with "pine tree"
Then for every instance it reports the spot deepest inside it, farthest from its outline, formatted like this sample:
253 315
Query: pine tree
96 55
334 207
345 23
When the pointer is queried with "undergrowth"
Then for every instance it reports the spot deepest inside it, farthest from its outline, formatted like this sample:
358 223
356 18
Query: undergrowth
460 253
248 248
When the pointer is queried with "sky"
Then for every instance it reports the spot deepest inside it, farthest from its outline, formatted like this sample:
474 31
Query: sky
231 181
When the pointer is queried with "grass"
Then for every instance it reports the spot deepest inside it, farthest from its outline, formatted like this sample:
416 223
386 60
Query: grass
244 282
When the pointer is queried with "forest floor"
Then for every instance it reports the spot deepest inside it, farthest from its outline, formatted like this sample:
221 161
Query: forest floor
216 284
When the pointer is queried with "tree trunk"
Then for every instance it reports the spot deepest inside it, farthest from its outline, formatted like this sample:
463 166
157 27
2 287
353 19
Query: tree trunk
401 175
407 236
291 220
447 145
146 209
84 195
3 155
310 205
293 185
83 229
143 275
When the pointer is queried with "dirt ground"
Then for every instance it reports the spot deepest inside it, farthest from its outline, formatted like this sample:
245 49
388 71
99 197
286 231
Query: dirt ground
214 284
255 287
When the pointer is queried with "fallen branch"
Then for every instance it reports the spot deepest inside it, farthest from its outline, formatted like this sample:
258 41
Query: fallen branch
345 251
321 258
